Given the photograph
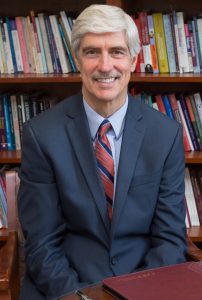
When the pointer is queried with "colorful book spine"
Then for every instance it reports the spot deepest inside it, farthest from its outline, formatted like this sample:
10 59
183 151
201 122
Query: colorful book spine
153 44
8 25
160 43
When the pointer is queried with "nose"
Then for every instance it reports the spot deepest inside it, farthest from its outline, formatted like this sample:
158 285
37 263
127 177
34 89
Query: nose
105 63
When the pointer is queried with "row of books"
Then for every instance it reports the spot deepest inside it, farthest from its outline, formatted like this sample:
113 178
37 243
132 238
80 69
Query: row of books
15 109
37 43
193 195
184 108
170 44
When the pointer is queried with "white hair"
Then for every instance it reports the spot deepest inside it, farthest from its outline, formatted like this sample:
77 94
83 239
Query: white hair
105 19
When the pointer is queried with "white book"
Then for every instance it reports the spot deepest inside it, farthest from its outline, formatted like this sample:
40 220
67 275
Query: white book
184 124
191 203
169 43
8 51
17 50
66 24
64 61
198 102
45 42
2 51
15 121
43 57
182 43
155 106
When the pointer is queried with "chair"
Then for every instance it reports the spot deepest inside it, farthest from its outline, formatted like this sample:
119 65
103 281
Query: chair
11 254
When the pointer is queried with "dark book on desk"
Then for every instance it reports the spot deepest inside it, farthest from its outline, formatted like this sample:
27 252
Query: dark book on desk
181 282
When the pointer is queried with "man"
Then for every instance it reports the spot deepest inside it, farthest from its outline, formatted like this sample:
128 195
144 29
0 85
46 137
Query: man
86 217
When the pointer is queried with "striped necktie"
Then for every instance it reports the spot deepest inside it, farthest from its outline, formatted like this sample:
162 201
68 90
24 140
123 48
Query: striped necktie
105 163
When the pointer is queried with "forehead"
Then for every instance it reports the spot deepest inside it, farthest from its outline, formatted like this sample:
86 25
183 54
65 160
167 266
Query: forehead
101 40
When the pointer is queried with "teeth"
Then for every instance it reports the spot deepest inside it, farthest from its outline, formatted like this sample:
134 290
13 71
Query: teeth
106 80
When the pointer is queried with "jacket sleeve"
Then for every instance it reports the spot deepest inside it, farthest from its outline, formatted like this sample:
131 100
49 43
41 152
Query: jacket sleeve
168 230
42 222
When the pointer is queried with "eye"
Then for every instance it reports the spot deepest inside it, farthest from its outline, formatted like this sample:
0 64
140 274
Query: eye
91 53
118 53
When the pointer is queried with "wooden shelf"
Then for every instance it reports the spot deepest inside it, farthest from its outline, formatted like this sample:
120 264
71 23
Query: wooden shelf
40 78
10 157
76 78
166 78
195 233
14 157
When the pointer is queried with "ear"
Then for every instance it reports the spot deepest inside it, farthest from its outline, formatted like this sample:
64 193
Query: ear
133 64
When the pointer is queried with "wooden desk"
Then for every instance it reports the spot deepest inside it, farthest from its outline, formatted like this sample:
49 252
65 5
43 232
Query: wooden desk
94 292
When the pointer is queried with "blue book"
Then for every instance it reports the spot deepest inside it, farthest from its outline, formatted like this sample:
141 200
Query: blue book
8 124
197 42
168 107
52 53
69 55
197 50
8 24
54 47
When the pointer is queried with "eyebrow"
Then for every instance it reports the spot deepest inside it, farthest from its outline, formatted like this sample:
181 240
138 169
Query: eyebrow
112 48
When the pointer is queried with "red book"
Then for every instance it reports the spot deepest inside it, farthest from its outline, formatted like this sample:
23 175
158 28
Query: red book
175 108
160 104
176 282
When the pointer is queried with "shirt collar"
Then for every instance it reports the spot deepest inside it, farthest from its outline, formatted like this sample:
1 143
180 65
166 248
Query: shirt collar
117 119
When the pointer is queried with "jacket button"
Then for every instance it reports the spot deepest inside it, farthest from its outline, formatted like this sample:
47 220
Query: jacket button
114 260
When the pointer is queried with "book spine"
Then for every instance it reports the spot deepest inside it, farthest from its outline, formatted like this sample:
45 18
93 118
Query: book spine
182 43
160 42
185 125
167 105
189 50
22 42
196 68
16 45
176 113
3 142
61 54
188 121
43 57
45 42
7 123
8 25
169 43
15 122
153 44
191 203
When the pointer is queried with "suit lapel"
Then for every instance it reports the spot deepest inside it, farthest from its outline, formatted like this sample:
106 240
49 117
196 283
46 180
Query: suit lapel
131 143
82 144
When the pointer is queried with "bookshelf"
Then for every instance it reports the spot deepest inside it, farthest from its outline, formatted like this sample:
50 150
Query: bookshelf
63 85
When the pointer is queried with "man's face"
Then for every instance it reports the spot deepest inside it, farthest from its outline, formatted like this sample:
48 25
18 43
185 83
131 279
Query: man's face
105 64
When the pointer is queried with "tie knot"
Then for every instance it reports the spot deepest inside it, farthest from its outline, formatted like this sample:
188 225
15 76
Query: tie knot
104 127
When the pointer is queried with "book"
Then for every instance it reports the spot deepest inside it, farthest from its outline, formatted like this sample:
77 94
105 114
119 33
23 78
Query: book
196 180
160 104
169 43
193 120
190 200
188 122
160 43
184 124
176 113
153 44
168 107
16 45
144 33
192 41
180 282
140 66
45 42
184 59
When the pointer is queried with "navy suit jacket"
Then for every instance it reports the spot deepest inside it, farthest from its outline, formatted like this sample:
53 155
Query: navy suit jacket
69 240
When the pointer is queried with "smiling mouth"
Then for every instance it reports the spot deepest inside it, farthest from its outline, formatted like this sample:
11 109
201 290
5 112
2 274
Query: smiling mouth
106 80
